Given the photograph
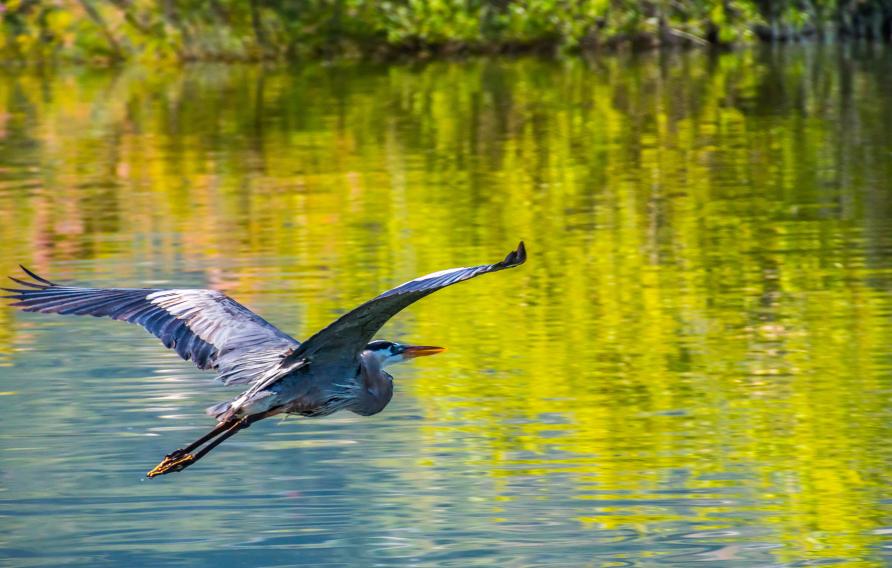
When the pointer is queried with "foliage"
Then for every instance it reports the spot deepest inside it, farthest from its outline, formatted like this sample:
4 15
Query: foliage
112 30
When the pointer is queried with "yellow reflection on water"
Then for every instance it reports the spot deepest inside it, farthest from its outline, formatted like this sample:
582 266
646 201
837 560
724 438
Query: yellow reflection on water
703 318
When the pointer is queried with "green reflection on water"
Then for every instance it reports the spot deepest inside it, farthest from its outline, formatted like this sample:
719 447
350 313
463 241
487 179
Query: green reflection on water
704 318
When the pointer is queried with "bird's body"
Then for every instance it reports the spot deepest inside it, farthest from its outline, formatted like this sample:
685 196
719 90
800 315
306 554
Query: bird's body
338 368
302 391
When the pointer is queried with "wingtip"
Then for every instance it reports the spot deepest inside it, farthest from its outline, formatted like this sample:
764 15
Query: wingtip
34 276
516 257
26 284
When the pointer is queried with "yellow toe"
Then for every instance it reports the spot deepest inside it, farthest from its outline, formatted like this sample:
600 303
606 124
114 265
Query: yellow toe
171 464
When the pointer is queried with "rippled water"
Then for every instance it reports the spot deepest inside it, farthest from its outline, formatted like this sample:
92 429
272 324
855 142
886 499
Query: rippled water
692 368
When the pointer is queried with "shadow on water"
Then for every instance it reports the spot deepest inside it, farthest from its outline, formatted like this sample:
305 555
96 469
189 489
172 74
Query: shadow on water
692 367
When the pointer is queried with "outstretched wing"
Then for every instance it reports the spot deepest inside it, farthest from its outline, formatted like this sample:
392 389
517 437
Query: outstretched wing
203 326
344 339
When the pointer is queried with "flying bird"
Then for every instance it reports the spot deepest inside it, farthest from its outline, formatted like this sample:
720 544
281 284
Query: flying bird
340 367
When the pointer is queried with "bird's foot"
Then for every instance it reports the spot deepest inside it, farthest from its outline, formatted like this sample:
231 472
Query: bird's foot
175 461
179 460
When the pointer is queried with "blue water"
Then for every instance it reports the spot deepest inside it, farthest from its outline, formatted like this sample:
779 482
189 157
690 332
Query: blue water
691 369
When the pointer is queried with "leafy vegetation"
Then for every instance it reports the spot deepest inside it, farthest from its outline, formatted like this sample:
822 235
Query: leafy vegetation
112 30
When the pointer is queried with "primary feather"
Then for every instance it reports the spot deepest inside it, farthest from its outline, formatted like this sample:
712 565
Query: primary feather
341 342
203 326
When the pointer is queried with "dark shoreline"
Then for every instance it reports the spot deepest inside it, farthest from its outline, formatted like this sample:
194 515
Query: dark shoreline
108 32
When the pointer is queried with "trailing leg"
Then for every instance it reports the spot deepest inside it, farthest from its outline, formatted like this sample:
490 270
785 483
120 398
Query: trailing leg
179 460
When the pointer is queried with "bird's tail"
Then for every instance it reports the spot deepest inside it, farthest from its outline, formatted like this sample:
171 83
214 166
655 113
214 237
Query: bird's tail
219 411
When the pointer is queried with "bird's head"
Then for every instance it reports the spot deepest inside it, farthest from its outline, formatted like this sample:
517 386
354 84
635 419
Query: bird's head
389 352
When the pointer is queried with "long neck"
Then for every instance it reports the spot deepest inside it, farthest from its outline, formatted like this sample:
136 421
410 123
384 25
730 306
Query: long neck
377 386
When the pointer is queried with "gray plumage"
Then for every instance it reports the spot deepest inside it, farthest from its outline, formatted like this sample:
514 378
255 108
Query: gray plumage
340 342
337 368
203 326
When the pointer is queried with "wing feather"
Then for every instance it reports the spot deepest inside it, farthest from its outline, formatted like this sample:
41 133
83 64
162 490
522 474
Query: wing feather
343 340
203 326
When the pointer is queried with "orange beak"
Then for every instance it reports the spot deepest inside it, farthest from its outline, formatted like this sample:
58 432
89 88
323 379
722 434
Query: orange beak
413 351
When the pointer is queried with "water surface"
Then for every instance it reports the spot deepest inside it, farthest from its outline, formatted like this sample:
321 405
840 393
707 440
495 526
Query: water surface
692 368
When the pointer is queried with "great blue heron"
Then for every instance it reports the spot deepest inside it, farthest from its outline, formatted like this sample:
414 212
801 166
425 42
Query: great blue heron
337 368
